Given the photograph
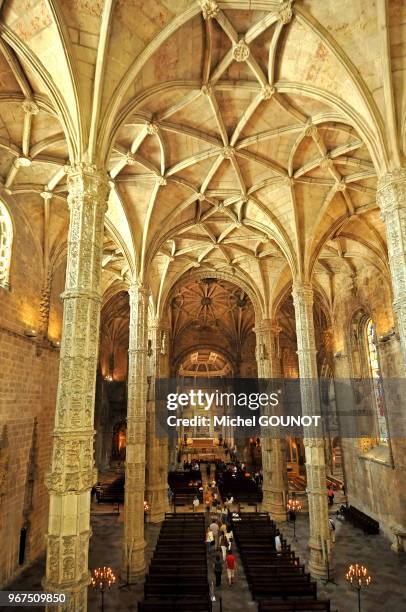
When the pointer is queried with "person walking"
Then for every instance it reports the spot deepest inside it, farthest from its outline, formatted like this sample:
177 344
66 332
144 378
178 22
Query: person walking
231 566
196 503
330 493
218 570
209 540
223 545
215 531
229 536
170 497
332 527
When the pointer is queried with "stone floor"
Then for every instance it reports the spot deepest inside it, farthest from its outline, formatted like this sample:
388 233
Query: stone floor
386 594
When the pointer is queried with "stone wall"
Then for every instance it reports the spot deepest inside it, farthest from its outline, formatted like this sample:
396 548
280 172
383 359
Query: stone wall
28 385
375 484
28 381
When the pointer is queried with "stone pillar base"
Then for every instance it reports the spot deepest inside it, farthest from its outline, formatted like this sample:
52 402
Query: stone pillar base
274 503
77 595
157 497
133 570
156 517
317 563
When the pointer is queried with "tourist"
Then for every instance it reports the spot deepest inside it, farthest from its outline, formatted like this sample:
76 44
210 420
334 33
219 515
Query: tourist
330 493
224 514
229 536
231 566
332 527
229 501
278 544
218 570
207 500
170 496
215 531
196 503
223 545
99 491
209 540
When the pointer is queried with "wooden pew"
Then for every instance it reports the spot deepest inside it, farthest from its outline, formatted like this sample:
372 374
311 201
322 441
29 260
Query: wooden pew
362 520
176 606
294 606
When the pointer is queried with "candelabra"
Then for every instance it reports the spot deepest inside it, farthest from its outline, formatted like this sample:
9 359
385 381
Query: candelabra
359 578
293 508
102 579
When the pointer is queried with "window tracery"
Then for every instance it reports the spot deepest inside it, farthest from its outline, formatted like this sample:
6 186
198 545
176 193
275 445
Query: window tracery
6 241
376 379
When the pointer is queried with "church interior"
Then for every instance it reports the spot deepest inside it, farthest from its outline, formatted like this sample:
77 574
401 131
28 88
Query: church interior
207 190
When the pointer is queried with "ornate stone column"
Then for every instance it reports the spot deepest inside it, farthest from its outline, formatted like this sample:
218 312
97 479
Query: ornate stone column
319 541
72 471
391 197
157 445
134 544
275 483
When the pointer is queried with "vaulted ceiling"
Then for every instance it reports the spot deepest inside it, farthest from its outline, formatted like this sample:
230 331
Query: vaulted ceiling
243 139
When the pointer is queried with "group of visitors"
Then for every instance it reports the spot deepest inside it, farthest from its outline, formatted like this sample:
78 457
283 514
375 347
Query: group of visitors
191 466
219 537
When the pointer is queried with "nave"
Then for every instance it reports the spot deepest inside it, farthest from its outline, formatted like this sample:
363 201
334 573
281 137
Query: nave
203 193
351 545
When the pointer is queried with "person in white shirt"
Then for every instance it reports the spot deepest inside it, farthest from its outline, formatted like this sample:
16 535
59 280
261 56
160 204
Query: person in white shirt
215 531
209 540
196 503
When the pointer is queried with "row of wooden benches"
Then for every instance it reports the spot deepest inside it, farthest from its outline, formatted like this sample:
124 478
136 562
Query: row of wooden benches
243 489
177 577
361 520
277 579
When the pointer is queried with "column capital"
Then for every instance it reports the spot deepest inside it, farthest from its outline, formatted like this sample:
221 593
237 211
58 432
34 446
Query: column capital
302 292
270 325
158 325
87 181
391 190
136 288
395 176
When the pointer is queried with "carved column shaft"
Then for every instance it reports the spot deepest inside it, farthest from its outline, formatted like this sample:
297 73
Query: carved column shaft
275 483
157 447
391 197
45 303
319 541
134 544
72 471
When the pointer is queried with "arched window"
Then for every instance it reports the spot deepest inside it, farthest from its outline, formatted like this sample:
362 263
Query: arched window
6 241
376 379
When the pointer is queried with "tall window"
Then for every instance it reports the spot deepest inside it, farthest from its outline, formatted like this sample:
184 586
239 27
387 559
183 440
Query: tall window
375 373
6 240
